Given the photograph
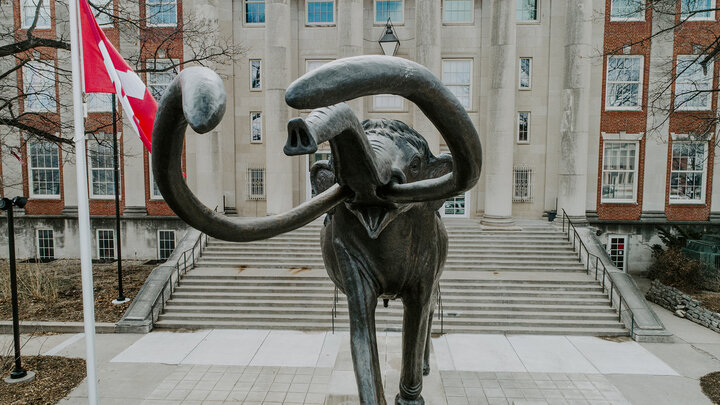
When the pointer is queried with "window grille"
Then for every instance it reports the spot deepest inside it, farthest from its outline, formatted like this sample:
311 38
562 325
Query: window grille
687 172
44 167
103 13
45 244
387 102
523 131
28 10
39 82
320 12
617 249
256 184
692 84
525 76
388 9
526 10
166 244
255 11
256 127
619 171
161 12
157 82
627 10
106 244
457 77
102 169
697 9
457 11
522 184
624 82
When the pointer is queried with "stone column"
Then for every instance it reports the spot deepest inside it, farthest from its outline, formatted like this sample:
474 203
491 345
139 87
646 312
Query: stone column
350 39
278 168
428 21
572 170
500 138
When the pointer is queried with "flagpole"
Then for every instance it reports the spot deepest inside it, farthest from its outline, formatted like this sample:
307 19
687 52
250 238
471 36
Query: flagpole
121 298
83 207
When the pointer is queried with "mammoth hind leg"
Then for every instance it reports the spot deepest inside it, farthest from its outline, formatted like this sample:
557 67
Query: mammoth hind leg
428 342
416 319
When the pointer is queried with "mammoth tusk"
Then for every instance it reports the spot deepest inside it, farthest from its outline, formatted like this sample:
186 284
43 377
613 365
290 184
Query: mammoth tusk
197 97
350 78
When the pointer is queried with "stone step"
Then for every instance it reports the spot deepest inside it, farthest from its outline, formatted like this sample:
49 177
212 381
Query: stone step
490 256
451 260
308 249
448 266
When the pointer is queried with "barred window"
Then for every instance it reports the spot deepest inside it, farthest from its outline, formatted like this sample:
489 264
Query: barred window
44 169
320 12
388 9
256 127
522 184
39 81
627 10
687 172
255 72
166 244
457 11
255 11
525 76
526 10
693 86
619 171
624 82
106 244
161 12
457 76
45 244
523 131
256 184
29 8
158 81
102 177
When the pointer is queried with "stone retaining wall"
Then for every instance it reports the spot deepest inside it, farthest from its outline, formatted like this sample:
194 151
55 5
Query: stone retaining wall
683 305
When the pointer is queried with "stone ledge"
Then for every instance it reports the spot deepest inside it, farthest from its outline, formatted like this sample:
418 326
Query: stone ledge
683 305
59 327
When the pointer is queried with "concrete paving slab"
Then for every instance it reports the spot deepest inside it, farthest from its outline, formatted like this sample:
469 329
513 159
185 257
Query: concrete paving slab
290 349
330 349
611 357
227 347
482 353
684 329
550 354
684 358
162 347
659 390
31 344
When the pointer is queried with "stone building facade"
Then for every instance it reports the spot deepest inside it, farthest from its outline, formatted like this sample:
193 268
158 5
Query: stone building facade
562 93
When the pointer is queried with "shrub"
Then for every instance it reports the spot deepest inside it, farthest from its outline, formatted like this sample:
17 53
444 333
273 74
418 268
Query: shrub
675 269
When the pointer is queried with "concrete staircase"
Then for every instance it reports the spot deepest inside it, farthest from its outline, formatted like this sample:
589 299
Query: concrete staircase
527 281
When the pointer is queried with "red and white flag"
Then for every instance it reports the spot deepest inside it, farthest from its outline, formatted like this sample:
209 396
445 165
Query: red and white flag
105 71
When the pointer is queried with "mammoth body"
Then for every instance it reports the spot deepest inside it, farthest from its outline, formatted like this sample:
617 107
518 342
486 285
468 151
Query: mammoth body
382 237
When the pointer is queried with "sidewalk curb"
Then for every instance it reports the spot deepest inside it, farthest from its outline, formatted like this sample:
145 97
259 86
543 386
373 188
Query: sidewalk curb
59 327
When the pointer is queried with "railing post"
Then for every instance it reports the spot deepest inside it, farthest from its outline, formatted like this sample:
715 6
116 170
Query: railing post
619 310
185 260
632 325
603 280
596 266
177 268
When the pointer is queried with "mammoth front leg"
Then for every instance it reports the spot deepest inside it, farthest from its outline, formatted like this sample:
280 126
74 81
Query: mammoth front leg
416 321
426 357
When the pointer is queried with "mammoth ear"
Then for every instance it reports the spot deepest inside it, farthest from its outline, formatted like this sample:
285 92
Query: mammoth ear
322 176
438 167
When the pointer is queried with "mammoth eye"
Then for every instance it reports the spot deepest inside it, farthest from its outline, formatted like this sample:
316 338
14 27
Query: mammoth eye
414 165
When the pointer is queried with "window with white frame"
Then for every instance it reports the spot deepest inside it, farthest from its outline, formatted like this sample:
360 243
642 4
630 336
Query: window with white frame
255 74
692 84
161 13
624 82
312 64
45 244
103 11
392 9
161 78
523 127
321 12
39 81
99 102
256 184
619 171
457 11
697 9
28 10
155 193
525 74
522 183
687 171
256 127
457 77
44 169
166 244
627 10
102 178
526 10
388 102
106 244
454 206
617 249
254 11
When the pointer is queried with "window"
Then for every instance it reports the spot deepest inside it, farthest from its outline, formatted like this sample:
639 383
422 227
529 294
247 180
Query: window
456 75
457 11
312 64
526 10
155 193
39 81
320 12
388 102
99 102
29 8
102 178
617 246
161 12
45 244
388 9
522 183
256 184
523 132
106 244
255 127
697 9
159 81
166 244
44 169
525 77
619 171
687 172
692 85
454 206
255 72
624 80
627 10
255 11
103 10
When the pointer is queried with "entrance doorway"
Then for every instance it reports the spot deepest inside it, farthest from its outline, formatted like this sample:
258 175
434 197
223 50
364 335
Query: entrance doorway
617 250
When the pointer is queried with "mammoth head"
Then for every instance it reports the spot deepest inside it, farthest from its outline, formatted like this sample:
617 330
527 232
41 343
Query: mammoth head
379 167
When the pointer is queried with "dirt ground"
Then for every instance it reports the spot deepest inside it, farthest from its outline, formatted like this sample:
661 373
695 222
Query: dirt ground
710 300
53 291
710 384
55 377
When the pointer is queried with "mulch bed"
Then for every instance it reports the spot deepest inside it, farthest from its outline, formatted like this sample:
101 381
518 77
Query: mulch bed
710 384
53 291
710 300
55 377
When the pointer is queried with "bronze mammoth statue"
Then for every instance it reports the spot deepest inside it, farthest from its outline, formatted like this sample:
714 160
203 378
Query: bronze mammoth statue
382 237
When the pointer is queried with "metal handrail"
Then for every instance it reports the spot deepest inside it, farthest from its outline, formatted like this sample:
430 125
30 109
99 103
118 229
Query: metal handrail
598 262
